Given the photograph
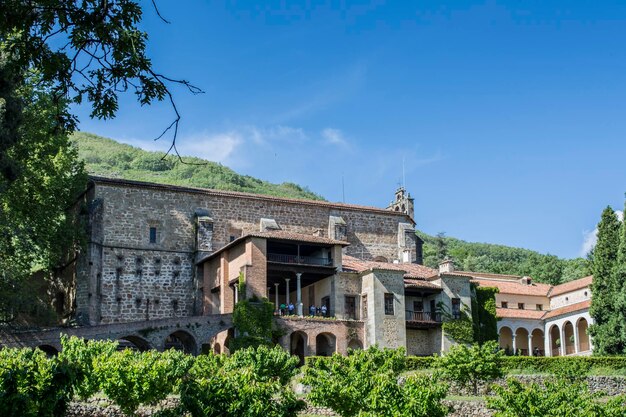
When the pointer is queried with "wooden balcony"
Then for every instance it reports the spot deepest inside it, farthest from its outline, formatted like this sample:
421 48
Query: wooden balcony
299 259
422 319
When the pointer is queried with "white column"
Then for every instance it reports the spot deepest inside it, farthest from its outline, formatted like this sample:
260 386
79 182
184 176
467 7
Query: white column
530 344
563 343
547 343
276 297
514 343
236 294
287 294
298 294
576 347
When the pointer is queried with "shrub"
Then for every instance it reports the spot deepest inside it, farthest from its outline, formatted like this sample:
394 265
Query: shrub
249 383
469 365
559 398
82 354
31 384
365 383
132 378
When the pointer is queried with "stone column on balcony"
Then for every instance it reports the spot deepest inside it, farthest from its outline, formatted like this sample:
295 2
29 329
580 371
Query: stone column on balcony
576 340
563 343
276 297
530 343
514 343
299 294
287 291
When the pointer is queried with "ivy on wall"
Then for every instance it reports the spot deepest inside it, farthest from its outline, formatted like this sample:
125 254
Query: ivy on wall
484 314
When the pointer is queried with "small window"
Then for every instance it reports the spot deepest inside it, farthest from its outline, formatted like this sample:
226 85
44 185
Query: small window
232 238
456 308
364 306
520 306
350 307
539 307
418 306
153 235
505 304
389 304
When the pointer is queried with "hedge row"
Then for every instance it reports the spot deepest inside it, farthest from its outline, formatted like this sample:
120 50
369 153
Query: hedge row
534 363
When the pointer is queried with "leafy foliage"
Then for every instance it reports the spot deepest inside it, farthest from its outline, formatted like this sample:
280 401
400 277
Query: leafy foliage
484 314
82 354
252 383
365 383
131 378
31 385
608 330
108 158
559 398
500 259
470 365
253 322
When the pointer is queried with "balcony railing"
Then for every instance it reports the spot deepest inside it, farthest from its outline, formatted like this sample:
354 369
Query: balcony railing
301 260
424 316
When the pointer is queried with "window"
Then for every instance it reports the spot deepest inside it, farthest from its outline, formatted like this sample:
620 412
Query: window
350 307
539 307
418 306
505 304
389 304
520 306
456 308
153 235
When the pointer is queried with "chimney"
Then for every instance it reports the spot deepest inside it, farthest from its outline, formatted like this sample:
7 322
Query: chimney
406 256
446 266
526 280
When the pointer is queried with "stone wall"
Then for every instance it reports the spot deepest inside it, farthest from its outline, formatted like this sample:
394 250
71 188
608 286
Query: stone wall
122 213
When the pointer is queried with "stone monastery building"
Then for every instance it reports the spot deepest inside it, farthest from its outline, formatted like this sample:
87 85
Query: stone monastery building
163 262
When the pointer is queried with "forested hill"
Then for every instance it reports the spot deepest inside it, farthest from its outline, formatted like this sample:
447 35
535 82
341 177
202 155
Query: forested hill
108 158
500 259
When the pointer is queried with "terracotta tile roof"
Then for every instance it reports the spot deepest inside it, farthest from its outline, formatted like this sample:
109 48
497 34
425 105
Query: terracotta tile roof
413 271
577 284
250 196
297 237
489 275
513 287
583 305
420 283
512 313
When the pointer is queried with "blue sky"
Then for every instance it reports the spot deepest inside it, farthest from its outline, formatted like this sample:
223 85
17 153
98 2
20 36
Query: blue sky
510 116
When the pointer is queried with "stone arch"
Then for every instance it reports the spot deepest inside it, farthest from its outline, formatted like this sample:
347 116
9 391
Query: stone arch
133 342
554 336
297 345
49 350
537 342
505 338
181 340
355 344
325 344
568 332
583 337
381 259
521 341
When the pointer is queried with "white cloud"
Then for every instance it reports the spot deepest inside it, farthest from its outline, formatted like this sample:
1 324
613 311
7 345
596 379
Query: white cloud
218 147
590 237
334 137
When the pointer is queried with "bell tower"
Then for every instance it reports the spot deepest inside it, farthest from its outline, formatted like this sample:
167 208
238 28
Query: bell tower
403 202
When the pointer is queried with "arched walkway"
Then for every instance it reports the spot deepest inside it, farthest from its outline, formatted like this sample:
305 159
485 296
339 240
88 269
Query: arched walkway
555 341
538 345
355 344
133 342
521 342
568 330
297 346
506 340
325 344
181 340
48 350
583 337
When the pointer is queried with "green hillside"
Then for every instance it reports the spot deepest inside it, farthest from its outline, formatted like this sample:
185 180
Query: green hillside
108 158
500 259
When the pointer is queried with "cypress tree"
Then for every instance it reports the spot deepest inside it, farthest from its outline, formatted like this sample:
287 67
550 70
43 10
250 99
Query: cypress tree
604 288
619 279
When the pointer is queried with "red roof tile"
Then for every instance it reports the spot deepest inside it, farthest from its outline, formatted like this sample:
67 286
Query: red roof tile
512 313
411 270
298 237
419 283
514 287
583 305
577 284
